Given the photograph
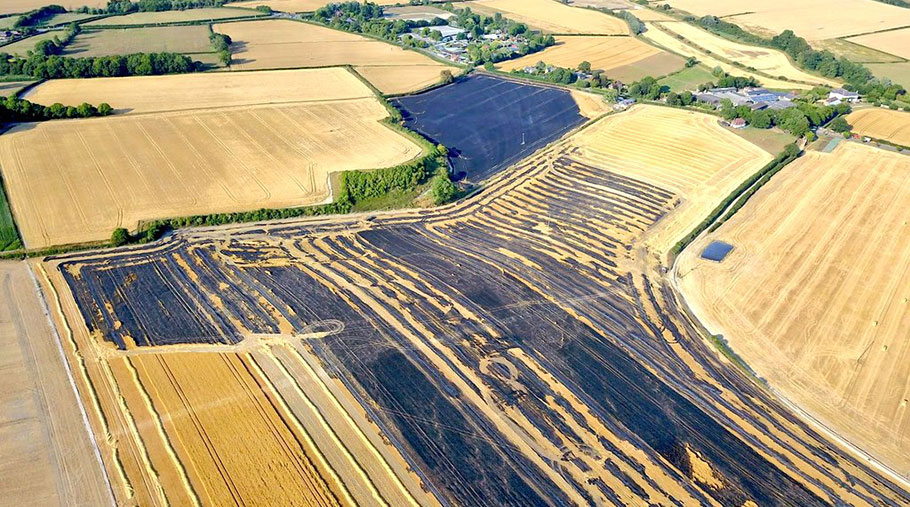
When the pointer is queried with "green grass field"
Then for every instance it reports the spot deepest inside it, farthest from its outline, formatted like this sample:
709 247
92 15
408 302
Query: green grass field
66 18
687 79
173 39
9 238
855 52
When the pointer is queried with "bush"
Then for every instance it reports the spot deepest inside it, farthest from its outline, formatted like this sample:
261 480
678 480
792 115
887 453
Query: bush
120 237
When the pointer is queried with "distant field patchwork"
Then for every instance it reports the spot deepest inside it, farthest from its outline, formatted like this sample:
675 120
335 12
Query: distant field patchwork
812 19
279 44
296 5
113 172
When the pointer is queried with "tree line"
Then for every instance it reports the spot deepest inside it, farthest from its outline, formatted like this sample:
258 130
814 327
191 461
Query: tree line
36 16
222 45
14 109
44 66
128 6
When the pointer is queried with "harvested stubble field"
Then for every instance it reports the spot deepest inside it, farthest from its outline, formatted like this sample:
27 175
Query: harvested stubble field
528 328
76 181
184 16
279 44
23 6
894 42
47 456
815 295
173 39
624 58
658 34
152 94
885 124
768 61
553 17
812 19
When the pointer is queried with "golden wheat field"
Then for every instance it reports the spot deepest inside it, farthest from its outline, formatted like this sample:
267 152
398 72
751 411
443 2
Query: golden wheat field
605 53
893 126
43 439
279 44
895 42
553 17
815 295
148 94
22 6
768 61
670 42
76 181
812 19
685 152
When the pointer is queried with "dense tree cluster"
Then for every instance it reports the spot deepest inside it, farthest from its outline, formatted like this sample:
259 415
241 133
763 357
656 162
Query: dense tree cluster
647 88
367 18
13 109
54 67
222 45
55 46
796 120
36 16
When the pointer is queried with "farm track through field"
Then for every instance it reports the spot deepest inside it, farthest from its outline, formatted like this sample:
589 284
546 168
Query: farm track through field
529 328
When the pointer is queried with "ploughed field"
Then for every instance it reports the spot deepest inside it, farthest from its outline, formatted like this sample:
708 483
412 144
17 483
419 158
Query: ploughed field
488 123
815 295
519 347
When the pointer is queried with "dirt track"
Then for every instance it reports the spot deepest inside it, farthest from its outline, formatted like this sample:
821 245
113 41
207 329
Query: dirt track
528 328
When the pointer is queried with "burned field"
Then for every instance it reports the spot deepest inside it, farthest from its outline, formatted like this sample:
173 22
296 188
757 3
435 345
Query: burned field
526 329
489 123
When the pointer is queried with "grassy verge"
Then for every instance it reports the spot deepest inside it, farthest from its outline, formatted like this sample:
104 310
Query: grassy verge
9 237
738 197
